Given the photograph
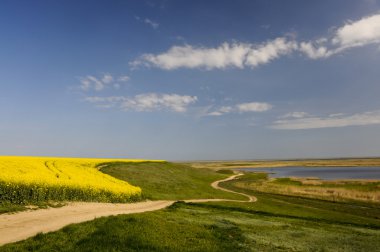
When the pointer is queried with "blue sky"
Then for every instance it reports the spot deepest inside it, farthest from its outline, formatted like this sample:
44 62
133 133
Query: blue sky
190 80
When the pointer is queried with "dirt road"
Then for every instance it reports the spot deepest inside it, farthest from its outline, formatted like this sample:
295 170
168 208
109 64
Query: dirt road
216 186
22 225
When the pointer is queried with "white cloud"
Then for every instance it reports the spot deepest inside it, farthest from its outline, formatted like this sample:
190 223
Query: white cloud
190 57
336 114
237 55
295 115
332 121
362 32
124 78
107 79
269 51
152 101
107 99
145 102
85 84
148 21
215 113
253 107
223 110
153 24
105 102
91 82
241 108
353 34
241 55
315 51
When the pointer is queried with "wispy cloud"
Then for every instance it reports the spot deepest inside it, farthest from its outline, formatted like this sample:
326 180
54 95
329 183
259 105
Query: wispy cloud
241 55
123 78
107 79
238 55
253 107
241 108
148 21
92 83
153 24
221 111
145 102
296 114
331 121
315 50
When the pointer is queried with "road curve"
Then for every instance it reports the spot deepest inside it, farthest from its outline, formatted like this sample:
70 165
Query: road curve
22 225
216 186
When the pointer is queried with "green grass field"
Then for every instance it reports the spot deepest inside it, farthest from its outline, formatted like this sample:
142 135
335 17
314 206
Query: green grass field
273 223
170 181
215 227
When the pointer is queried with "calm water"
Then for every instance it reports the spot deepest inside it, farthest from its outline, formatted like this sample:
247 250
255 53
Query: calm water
326 173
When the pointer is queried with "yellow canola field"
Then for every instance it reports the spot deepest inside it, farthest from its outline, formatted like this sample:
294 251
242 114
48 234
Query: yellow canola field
31 179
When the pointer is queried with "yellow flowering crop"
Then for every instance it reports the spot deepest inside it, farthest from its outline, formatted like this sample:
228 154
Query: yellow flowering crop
33 179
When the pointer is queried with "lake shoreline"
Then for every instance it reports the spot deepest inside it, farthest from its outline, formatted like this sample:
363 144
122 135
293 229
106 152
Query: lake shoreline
322 173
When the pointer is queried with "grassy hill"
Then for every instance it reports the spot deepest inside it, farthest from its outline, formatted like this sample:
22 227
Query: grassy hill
170 181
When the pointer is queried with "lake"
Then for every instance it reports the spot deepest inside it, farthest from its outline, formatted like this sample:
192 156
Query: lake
325 173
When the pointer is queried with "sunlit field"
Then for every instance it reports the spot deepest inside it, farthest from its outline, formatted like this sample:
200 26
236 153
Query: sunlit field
38 179
339 162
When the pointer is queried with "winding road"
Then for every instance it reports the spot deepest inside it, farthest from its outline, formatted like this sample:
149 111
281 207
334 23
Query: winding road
19 226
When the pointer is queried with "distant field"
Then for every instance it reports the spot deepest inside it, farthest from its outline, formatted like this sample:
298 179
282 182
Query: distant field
283 163
338 190
32 180
362 190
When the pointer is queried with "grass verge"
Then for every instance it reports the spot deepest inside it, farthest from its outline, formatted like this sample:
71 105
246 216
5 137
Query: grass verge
218 226
6 207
